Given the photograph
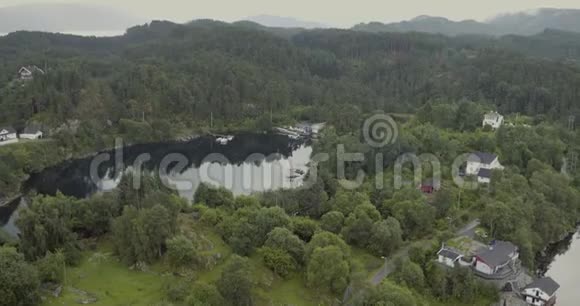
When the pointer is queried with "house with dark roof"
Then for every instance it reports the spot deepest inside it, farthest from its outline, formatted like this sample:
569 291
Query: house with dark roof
430 186
31 132
448 256
8 134
27 73
492 119
481 164
499 258
541 292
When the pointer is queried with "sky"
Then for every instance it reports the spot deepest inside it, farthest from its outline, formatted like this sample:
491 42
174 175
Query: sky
339 13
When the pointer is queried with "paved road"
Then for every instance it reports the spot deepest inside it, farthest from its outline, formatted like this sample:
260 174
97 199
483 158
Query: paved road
469 229
389 265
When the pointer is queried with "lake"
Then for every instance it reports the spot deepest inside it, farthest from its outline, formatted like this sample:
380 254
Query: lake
561 263
249 163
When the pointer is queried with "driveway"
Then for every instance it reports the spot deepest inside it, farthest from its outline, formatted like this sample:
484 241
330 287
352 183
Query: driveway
469 229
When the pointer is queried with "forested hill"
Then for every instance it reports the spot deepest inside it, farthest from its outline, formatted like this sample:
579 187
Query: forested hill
165 71
521 23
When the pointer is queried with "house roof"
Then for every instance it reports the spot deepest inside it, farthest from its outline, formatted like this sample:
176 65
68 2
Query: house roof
31 130
449 253
546 284
25 69
431 183
498 253
482 157
486 173
492 115
8 129
31 69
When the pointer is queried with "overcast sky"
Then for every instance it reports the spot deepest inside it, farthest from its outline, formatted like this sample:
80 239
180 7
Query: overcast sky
332 12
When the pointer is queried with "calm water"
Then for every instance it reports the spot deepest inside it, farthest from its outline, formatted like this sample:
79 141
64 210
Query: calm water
249 163
561 263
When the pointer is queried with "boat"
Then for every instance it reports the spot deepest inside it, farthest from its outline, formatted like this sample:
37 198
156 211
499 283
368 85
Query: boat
300 171
224 140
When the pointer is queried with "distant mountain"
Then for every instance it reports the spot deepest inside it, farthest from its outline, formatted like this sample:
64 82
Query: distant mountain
64 18
523 23
533 22
429 24
285 22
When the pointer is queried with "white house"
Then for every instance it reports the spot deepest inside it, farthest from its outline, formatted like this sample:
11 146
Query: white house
7 134
31 133
448 256
496 257
541 292
27 73
493 119
480 164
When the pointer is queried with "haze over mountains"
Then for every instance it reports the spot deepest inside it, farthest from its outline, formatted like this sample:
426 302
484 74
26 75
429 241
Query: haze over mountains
65 18
70 18
523 23
285 22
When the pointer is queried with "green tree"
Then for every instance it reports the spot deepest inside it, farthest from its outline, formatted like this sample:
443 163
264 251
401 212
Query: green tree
203 294
333 277
410 274
46 225
332 222
213 196
416 217
51 268
386 237
389 294
181 252
324 239
19 281
281 238
235 283
278 260
304 227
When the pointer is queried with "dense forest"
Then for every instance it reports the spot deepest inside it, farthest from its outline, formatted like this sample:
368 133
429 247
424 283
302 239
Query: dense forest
165 79
162 80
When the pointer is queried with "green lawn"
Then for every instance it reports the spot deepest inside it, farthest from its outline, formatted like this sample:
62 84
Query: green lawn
369 263
270 289
101 275
111 282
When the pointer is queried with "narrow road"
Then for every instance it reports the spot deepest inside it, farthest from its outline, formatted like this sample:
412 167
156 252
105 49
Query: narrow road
389 265
469 229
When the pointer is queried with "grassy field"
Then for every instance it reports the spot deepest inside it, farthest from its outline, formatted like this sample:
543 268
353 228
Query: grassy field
102 276
270 289
110 282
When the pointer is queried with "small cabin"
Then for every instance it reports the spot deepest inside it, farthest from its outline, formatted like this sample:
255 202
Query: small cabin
541 292
429 186
481 164
8 133
27 73
448 257
31 133
493 119
497 257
